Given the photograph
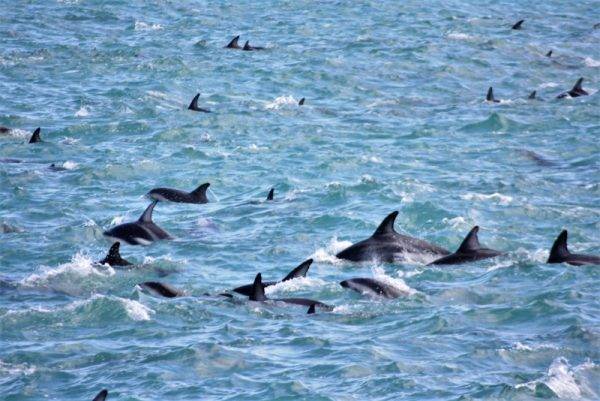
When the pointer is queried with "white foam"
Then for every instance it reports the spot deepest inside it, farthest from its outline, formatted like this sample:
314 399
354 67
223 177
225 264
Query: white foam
327 254
15 369
143 26
117 220
82 112
496 197
549 85
299 283
19 133
460 36
456 222
280 102
397 283
80 265
136 310
590 62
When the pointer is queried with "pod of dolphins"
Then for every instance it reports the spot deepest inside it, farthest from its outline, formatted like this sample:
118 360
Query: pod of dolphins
384 245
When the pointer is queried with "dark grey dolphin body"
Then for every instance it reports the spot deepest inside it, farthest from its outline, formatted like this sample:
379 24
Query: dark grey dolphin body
35 137
532 96
372 287
299 271
386 245
198 195
234 43
10 160
469 251
270 194
258 294
247 47
161 289
140 232
301 102
101 396
576 91
490 96
113 258
560 253
194 105
4 130
518 24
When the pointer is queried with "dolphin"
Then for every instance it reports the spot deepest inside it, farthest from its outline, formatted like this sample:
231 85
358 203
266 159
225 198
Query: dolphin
4 130
194 105
247 47
576 91
35 137
560 253
549 54
386 244
10 160
198 195
469 251
113 258
140 232
270 195
518 24
234 43
299 271
490 96
539 159
311 310
162 289
532 96
301 102
258 294
372 287
101 396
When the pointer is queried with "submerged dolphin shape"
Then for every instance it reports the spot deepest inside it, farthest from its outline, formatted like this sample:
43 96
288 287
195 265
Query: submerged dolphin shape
469 251
386 244
234 43
532 95
4 130
35 137
113 258
372 287
247 47
162 289
576 91
299 271
101 396
490 96
194 105
518 24
140 232
560 253
549 54
270 194
198 195
258 294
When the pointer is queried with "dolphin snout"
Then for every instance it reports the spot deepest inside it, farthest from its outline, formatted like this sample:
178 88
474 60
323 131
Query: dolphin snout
344 284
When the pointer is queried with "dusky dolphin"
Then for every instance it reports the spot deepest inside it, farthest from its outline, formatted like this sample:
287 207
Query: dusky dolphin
576 91
490 96
469 251
270 194
301 102
247 47
258 295
113 258
101 396
299 271
140 232
194 105
518 24
234 43
35 137
161 289
372 287
198 195
560 253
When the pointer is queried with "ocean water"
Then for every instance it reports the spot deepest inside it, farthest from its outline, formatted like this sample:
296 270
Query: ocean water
394 119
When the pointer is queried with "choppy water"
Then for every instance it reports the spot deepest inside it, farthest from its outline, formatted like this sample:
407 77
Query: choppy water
394 120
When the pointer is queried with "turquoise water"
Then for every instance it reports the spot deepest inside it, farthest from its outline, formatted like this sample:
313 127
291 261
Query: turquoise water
394 120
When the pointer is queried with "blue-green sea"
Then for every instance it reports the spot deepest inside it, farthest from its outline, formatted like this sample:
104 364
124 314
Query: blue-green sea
395 118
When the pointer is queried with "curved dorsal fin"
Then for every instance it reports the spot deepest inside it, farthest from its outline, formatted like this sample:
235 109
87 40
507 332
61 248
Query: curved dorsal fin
471 242
301 102
200 192
577 87
490 95
532 95
194 104
559 249
258 290
387 225
35 137
234 43
271 194
113 254
518 24
101 396
311 309
247 45
549 54
146 217
299 271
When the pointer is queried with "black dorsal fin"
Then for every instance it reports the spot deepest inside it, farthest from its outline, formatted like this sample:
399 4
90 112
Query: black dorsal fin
518 24
311 309
299 271
146 217
35 137
471 242
301 102
559 250
490 95
577 87
258 290
234 43
247 46
549 54
200 192
194 103
532 95
271 194
101 396
113 257
387 225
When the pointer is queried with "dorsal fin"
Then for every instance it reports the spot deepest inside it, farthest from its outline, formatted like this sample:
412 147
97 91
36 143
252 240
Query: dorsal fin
490 95
146 217
471 242
194 104
200 192
311 309
518 24
113 255
301 102
299 271
549 54
271 193
101 396
234 43
36 136
577 87
559 249
247 45
258 290
532 95
387 225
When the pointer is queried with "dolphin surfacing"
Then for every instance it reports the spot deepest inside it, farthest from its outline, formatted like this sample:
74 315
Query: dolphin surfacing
560 253
113 258
576 91
258 295
198 195
469 251
386 245
299 271
101 396
372 287
141 232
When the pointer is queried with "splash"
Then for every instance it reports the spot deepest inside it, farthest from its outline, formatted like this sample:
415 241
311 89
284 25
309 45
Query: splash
327 254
